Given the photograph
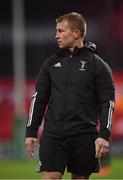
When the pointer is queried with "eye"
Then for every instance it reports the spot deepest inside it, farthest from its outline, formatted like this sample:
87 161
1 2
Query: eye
60 30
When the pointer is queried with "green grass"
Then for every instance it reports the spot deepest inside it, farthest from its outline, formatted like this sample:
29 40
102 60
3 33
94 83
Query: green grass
26 170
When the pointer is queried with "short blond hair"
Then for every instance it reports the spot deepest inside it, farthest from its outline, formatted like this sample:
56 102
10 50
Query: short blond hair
75 20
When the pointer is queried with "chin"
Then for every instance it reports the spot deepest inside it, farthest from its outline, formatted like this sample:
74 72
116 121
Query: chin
61 46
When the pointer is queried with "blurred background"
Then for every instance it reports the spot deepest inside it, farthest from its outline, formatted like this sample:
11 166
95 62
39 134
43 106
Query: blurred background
27 30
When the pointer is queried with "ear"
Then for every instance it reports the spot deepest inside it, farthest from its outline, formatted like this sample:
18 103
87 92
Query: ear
76 33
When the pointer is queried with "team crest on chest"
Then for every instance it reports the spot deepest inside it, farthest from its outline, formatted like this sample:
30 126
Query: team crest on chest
82 67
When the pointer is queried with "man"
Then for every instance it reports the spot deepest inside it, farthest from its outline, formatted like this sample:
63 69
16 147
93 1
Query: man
77 86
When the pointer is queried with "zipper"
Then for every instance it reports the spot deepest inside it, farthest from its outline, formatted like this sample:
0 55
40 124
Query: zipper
67 84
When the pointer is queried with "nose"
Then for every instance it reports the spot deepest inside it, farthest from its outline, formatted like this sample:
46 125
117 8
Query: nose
57 35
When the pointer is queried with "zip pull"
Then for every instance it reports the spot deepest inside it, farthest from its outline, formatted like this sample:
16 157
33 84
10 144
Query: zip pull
71 56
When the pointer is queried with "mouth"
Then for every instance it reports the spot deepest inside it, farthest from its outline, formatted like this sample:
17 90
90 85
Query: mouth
59 42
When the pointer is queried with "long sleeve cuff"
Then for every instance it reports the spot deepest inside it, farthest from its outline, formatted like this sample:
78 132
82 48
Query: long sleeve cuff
105 134
31 133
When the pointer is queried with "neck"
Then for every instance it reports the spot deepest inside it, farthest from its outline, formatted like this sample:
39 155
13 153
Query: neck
78 44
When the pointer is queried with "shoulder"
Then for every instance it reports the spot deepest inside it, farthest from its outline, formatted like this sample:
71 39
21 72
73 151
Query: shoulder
50 59
100 63
54 58
91 52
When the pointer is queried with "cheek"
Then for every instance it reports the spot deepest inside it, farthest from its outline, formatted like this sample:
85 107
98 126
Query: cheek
68 38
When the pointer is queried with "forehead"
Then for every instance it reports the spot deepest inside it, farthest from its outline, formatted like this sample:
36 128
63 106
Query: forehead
62 24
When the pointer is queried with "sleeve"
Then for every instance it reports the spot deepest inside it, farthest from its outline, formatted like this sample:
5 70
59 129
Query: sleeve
39 102
105 96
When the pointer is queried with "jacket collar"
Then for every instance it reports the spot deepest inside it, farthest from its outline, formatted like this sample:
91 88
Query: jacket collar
66 52
87 46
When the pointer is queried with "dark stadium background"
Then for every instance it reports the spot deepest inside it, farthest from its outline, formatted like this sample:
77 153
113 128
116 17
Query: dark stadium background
27 30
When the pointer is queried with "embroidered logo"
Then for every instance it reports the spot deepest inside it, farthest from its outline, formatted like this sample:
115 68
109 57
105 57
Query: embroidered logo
57 64
82 68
